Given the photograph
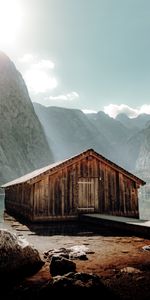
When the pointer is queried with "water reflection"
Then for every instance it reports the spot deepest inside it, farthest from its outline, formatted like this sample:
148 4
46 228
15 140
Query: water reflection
67 228
61 228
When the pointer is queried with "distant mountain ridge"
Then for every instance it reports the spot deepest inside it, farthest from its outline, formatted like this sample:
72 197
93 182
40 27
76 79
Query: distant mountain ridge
122 140
138 123
112 129
69 132
23 146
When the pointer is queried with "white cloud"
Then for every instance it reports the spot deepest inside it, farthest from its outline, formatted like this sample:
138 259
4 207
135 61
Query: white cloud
36 63
113 110
44 64
66 97
38 73
26 58
39 81
89 111
144 109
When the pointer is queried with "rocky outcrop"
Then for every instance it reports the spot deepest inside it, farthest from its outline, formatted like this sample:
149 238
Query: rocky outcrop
61 259
77 282
74 252
17 257
23 146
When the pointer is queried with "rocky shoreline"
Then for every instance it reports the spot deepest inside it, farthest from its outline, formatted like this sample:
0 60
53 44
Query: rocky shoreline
118 262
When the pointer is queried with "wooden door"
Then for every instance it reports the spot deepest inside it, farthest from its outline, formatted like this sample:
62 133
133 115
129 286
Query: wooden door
88 193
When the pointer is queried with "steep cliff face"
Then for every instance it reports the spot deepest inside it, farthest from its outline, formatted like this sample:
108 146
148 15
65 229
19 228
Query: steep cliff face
23 146
143 160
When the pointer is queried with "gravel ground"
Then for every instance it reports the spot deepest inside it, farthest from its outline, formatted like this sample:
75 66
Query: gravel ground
119 259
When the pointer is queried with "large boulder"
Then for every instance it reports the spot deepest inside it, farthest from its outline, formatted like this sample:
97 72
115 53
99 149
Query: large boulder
61 265
17 257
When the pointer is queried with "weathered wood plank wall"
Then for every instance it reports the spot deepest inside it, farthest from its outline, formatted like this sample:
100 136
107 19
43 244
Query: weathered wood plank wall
86 183
108 190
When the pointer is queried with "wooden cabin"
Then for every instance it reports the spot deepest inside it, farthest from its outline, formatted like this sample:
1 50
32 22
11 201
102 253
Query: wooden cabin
85 183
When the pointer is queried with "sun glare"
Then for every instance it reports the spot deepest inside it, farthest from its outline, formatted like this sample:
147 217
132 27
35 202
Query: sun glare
10 21
39 81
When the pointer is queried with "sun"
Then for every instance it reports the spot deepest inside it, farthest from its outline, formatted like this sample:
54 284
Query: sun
10 21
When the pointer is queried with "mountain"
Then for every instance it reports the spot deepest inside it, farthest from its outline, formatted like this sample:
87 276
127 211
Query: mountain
129 150
112 129
143 159
136 152
134 124
23 145
69 131
136 148
123 134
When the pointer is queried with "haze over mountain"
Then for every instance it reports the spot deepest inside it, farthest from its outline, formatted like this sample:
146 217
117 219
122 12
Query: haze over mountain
23 146
143 160
69 132
133 123
130 137
30 140
136 148
112 129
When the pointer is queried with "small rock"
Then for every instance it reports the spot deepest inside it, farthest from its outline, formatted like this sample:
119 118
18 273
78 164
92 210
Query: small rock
78 255
79 248
146 248
130 270
138 240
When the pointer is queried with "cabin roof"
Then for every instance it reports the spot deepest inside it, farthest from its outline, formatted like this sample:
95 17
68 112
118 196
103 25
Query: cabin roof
33 176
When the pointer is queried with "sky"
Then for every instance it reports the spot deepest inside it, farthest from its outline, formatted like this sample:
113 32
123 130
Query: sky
87 54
